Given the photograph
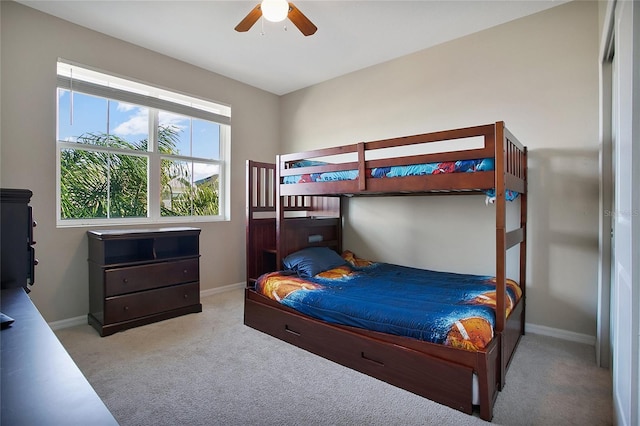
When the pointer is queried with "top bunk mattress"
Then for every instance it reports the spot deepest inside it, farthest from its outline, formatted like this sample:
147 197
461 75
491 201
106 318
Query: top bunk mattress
423 169
444 167
439 307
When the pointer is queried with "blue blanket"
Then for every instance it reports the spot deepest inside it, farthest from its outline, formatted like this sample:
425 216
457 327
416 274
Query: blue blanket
438 307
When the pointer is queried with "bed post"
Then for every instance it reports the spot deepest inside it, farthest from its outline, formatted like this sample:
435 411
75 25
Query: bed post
279 214
501 245
248 217
523 244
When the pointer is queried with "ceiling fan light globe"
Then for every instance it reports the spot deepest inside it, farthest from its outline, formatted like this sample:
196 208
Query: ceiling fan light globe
275 10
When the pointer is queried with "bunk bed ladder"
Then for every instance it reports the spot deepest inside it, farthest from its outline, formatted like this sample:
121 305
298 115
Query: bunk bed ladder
260 219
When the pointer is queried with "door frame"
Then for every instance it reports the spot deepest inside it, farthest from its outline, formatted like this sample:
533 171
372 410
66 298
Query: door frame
622 32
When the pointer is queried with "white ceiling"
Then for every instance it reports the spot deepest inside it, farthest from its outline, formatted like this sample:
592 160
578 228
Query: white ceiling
351 34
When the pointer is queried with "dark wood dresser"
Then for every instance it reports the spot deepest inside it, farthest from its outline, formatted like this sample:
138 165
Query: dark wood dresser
41 385
140 276
16 238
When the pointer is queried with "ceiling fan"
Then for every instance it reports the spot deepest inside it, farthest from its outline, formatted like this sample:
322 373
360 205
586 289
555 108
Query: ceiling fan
276 11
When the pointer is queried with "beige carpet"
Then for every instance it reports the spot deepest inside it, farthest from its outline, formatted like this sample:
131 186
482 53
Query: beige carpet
210 369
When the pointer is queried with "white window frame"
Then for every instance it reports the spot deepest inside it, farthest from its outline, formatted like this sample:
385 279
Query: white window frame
79 78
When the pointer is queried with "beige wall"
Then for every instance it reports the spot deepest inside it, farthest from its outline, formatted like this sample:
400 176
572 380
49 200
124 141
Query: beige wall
540 75
31 45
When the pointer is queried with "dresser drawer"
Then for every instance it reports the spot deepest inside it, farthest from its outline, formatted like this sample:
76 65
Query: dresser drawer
130 306
145 277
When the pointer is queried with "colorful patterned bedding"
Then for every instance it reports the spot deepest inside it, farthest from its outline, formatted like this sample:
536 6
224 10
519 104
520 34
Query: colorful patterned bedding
446 308
445 167
462 166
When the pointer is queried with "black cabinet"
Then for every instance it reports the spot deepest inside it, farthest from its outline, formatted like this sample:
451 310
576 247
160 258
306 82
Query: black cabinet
137 277
16 235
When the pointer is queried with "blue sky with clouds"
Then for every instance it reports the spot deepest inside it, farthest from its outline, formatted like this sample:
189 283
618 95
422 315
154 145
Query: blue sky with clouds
91 114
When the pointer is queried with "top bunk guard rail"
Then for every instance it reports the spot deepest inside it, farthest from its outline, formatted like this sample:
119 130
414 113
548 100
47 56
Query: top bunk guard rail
514 155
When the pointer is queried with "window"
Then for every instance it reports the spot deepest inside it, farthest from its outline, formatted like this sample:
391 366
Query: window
130 153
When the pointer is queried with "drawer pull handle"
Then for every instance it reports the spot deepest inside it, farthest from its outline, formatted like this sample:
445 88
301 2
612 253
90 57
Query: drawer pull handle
375 361
186 296
126 308
288 330
125 280
185 272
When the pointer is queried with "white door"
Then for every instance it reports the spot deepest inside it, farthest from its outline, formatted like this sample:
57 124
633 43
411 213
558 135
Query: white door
625 294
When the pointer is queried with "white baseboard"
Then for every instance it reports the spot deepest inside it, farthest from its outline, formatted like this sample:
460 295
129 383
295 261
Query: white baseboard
69 322
560 334
216 290
82 320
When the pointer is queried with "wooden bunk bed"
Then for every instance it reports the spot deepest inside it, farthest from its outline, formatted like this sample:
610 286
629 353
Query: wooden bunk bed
285 217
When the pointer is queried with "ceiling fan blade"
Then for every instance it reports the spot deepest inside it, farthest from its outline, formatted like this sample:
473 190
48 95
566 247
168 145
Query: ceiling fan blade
249 20
303 23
